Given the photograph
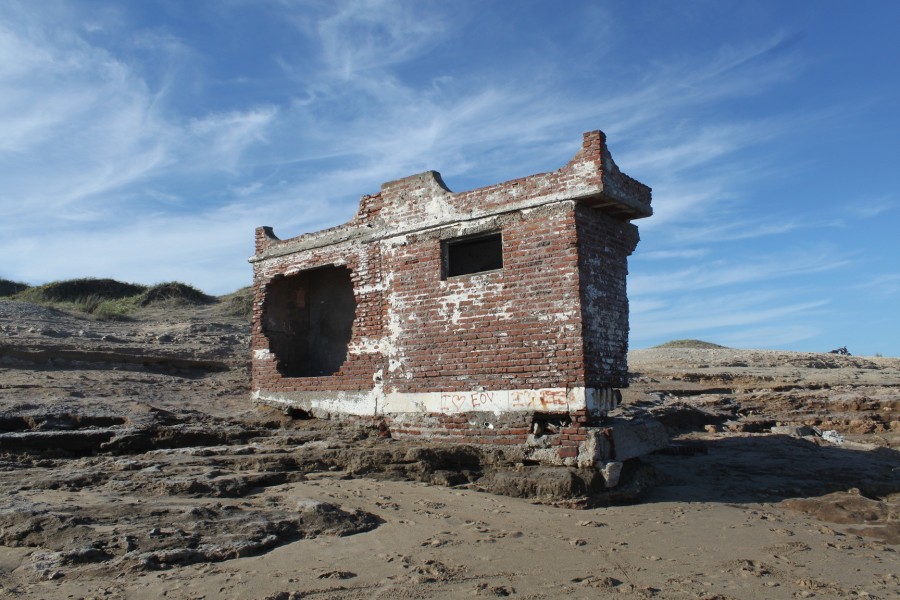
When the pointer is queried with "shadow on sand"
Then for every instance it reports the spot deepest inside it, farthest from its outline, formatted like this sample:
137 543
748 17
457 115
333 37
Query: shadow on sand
772 468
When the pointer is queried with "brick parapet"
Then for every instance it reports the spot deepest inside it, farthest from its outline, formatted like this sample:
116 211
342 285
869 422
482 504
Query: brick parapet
421 201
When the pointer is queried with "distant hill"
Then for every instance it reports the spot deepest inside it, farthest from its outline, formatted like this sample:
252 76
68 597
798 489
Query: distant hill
690 344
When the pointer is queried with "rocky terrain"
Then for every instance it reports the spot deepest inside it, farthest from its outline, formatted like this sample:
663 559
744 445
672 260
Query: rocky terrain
133 465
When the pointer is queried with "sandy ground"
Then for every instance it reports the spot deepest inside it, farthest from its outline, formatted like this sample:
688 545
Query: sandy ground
132 465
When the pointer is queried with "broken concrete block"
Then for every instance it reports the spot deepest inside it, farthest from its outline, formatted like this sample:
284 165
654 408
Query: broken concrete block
631 439
611 472
792 430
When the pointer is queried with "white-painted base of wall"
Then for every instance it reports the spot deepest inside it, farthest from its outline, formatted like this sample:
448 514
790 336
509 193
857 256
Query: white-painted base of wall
375 402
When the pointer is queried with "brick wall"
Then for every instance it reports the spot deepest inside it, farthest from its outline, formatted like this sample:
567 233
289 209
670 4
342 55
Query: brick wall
365 273
604 244
517 327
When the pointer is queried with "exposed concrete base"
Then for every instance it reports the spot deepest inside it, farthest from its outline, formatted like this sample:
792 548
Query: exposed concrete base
377 402
622 439
535 437
617 441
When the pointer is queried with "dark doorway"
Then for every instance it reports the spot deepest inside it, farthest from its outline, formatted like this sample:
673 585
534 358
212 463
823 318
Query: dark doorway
308 319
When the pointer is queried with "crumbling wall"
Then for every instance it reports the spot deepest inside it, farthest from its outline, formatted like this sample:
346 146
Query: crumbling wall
604 244
350 387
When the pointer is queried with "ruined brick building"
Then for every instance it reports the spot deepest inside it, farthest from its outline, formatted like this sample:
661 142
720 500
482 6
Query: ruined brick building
484 314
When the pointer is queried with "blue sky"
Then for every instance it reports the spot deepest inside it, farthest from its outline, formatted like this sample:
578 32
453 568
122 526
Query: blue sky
146 140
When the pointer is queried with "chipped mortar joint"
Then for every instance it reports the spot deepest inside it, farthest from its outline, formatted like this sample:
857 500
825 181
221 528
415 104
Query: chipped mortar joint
495 317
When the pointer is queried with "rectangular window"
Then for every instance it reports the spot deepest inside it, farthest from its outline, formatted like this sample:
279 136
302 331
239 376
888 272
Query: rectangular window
473 254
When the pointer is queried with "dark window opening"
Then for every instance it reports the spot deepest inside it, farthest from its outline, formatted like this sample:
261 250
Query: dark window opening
308 320
475 254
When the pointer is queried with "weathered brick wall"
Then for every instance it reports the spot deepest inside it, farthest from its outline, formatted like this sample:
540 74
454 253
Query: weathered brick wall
431 353
517 327
604 244
363 360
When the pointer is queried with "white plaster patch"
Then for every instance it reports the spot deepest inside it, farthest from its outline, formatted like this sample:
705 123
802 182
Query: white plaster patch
263 354
390 344
397 241
477 287
369 289
502 312
600 401
376 395
557 317
584 169
438 210
365 346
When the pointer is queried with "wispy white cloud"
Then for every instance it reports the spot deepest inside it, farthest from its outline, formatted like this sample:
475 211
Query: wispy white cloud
218 141
716 317
684 148
445 125
883 285
102 131
84 129
673 254
867 208
723 225
103 172
723 273
365 35
767 336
